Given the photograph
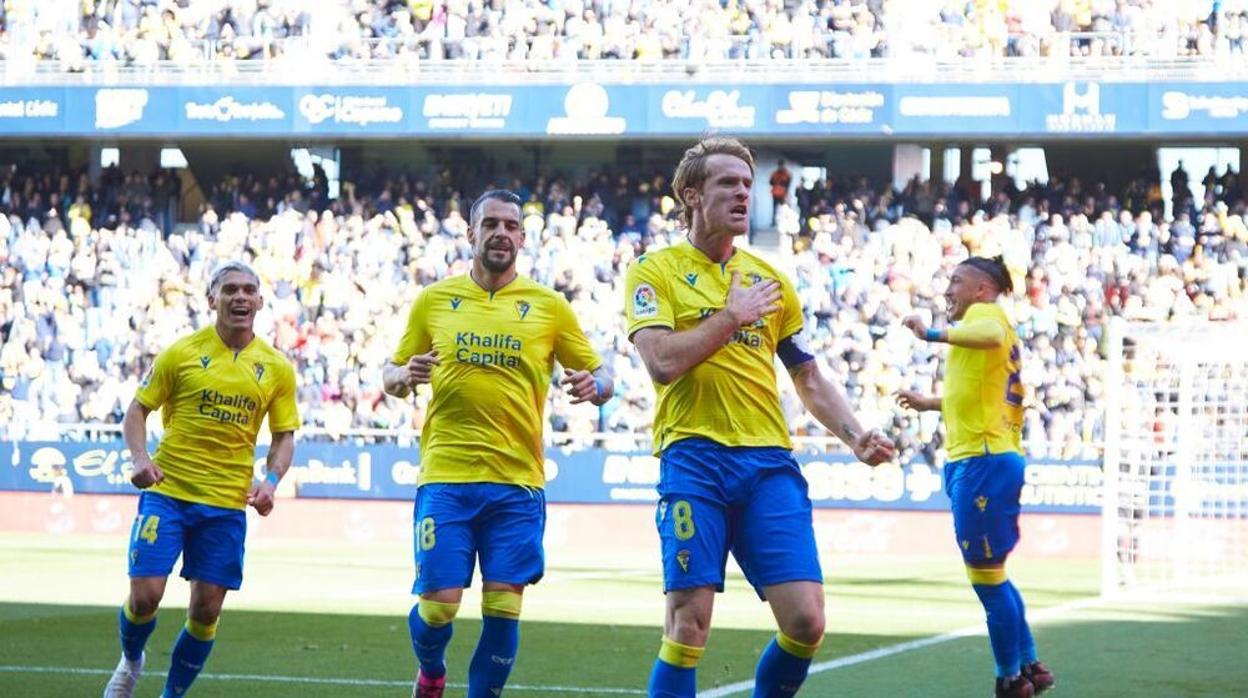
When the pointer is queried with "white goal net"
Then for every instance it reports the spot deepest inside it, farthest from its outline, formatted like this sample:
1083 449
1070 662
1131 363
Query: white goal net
1175 507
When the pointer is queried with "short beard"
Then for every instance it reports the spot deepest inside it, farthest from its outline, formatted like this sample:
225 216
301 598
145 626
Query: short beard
497 267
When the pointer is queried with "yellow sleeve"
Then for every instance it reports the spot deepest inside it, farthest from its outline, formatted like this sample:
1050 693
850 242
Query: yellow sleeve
980 325
160 380
647 300
283 410
791 320
416 339
572 347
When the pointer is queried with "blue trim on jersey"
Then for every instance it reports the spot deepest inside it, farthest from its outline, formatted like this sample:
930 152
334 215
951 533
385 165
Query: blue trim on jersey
210 540
984 495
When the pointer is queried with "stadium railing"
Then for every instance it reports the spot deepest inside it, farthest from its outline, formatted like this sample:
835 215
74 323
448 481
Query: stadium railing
293 69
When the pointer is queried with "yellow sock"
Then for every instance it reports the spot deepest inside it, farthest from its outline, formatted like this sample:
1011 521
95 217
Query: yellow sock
795 648
136 619
501 604
678 655
201 631
435 613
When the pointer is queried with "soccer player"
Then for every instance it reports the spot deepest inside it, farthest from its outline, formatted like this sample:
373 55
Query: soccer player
214 387
708 320
487 342
983 412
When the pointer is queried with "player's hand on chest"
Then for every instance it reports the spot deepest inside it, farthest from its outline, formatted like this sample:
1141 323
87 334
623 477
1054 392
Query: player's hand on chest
703 293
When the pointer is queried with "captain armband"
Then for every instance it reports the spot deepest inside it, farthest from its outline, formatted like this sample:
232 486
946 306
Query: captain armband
794 351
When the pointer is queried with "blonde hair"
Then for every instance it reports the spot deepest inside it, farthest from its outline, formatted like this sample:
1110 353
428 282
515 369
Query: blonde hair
691 172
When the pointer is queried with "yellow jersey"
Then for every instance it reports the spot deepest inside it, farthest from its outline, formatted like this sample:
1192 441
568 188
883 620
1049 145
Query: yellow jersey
497 353
212 401
732 397
983 400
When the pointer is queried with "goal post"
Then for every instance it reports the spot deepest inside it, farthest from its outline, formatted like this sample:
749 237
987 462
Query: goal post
1175 497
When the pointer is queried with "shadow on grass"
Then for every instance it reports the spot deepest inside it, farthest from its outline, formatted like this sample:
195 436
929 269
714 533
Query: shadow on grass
1144 652
554 657
1157 651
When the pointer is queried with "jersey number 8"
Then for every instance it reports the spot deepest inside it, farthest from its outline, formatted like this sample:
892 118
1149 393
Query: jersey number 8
682 520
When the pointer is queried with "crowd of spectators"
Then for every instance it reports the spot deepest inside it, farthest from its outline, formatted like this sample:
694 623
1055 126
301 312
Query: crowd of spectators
1079 255
93 284
142 32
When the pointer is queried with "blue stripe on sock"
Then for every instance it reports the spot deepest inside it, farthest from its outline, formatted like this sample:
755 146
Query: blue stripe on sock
133 636
189 656
779 674
669 681
1026 643
494 657
1003 629
429 644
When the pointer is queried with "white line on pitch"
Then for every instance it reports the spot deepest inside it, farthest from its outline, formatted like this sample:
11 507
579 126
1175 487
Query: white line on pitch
331 681
890 650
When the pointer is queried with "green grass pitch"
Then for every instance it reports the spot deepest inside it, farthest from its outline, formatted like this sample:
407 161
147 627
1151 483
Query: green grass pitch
330 620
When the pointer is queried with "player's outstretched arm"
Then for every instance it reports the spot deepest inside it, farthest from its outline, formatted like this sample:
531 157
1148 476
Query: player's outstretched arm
668 354
145 472
914 400
828 404
980 334
281 455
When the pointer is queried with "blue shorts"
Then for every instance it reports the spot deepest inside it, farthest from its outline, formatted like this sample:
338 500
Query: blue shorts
751 501
455 523
984 492
209 539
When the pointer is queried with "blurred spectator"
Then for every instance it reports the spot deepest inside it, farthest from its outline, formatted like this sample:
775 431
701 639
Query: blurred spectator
62 485
78 280
779 181
141 33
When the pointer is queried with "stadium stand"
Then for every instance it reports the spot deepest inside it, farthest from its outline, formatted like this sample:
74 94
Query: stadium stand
83 265
140 32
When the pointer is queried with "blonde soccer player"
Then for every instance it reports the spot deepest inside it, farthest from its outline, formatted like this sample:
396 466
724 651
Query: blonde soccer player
709 319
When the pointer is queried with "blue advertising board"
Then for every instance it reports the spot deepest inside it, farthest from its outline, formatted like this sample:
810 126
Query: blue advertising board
1198 108
831 109
358 110
699 108
942 109
1083 109
32 110
234 111
122 111
1077 109
590 476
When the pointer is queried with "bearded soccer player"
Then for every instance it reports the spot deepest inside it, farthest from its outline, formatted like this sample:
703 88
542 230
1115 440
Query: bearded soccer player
983 411
214 387
487 342
709 319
